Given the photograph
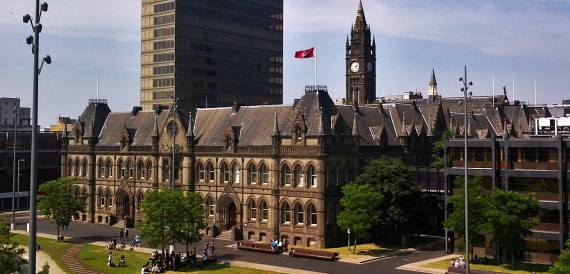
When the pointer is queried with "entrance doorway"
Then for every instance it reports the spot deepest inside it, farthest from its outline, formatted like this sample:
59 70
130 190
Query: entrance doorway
232 215
123 205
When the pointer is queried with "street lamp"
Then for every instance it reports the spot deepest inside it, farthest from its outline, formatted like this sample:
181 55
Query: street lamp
174 132
348 232
465 91
19 161
13 225
35 42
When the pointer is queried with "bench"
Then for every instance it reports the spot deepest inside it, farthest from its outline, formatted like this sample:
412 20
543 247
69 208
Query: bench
260 247
457 270
313 254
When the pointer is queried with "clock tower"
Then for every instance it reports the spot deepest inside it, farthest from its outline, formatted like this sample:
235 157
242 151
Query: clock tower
360 62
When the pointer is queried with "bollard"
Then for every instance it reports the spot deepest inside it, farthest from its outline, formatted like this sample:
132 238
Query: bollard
28 229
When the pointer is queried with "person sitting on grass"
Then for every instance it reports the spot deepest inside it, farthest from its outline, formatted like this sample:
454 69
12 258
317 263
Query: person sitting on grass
122 261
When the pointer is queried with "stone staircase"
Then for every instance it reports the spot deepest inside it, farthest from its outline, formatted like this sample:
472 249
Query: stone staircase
120 224
226 235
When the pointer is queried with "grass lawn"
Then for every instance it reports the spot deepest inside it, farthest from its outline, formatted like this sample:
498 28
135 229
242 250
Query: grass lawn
498 266
96 257
377 249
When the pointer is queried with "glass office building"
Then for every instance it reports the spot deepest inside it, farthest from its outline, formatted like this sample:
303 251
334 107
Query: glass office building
211 53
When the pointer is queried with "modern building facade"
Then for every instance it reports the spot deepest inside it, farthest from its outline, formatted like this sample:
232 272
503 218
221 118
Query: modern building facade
11 112
211 53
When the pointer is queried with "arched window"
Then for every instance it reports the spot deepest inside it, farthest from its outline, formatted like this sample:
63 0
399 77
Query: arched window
83 168
165 170
264 210
211 172
225 173
109 168
209 206
285 213
252 174
235 173
299 214
120 169
312 176
228 142
100 197
201 172
141 170
298 133
109 198
311 215
264 173
299 177
69 167
100 168
140 200
252 208
76 168
286 176
149 169
130 168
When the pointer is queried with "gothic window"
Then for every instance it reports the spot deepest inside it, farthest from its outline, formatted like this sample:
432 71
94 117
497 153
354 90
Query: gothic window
201 172
76 168
109 198
264 174
130 168
211 172
120 169
286 213
140 200
252 174
235 173
264 210
225 173
209 206
165 170
109 168
100 168
83 168
299 177
313 179
311 215
252 210
228 142
100 198
69 167
141 170
286 176
298 133
299 214
149 169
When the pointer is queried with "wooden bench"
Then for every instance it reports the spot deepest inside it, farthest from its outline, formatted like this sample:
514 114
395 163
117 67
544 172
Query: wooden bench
313 254
260 247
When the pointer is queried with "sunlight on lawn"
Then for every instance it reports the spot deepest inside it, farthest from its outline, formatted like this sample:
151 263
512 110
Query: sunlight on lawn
520 267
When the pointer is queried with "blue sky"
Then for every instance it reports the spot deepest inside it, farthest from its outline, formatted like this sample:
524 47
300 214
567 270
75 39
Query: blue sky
502 39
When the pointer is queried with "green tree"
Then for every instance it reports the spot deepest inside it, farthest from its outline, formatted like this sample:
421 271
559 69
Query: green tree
562 266
170 216
190 231
60 201
438 150
360 210
510 218
401 196
478 205
10 251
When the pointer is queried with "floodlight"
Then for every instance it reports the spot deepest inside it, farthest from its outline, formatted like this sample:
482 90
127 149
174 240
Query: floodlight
44 6
47 58
29 40
27 18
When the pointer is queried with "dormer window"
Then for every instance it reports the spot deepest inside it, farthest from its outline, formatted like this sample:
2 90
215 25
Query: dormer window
298 133
228 142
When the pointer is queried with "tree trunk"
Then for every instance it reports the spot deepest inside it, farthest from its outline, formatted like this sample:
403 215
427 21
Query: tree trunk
57 235
354 248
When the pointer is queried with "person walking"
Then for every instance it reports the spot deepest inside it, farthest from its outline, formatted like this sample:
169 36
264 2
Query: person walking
121 233
126 233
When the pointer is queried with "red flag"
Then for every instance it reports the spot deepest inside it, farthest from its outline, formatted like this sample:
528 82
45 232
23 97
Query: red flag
308 53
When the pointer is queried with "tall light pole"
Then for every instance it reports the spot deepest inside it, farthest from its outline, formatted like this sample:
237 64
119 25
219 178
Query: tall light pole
19 161
465 91
35 42
174 132
13 225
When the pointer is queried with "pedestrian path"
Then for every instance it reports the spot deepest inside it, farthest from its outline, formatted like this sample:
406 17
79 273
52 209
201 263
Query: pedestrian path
73 262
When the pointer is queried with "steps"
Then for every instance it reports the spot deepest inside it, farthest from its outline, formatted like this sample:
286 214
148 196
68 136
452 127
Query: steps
226 235
71 260
119 224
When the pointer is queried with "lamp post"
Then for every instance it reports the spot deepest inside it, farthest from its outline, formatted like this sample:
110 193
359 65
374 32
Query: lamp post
174 132
13 225
465 91
348 232
19 161
35 42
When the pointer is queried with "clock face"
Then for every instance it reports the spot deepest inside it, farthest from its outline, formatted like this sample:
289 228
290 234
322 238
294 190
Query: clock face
354 67
369 67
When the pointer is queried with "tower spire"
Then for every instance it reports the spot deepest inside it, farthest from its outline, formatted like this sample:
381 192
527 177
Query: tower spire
432 92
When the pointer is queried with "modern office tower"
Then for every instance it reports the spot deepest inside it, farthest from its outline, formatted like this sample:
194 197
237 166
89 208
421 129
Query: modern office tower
211 53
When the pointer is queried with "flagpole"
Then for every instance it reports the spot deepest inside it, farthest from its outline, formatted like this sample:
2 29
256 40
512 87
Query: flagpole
316 56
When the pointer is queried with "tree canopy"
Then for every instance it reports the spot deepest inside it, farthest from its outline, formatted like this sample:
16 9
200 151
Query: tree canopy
360 212
401 196
10 251
562 266
170 216
60 201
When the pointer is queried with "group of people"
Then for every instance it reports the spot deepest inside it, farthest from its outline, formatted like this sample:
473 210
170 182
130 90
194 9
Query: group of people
112 245
280 245
110 263
160 262
209 252
124 234
459 263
